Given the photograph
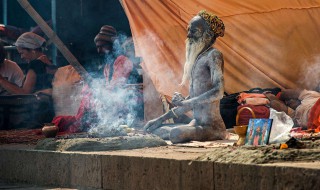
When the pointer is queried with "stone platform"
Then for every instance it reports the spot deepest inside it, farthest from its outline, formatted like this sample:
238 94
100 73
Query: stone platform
166 167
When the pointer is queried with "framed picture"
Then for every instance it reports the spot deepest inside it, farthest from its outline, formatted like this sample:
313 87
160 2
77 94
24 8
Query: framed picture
258 132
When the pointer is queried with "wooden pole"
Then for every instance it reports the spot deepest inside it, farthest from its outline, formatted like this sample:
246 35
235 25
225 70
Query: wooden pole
5 11
56 40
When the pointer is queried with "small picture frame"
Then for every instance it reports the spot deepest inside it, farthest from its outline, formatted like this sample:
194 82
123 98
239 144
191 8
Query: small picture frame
258 132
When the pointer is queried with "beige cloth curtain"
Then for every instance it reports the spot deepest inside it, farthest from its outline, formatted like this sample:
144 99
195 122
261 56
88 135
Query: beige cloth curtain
267 43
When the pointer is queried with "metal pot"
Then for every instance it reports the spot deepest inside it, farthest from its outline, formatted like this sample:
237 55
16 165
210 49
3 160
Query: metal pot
49 130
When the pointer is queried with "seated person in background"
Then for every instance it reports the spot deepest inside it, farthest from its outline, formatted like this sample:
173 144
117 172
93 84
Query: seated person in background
303 106
118 67
307 107
39 74
116 72
9 71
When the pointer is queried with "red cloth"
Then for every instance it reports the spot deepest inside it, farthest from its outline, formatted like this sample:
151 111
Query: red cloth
314 117
278 95
122 68
76 123
66 123
245 115
242 96
85 115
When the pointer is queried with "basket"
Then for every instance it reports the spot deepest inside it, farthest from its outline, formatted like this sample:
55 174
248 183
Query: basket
241 130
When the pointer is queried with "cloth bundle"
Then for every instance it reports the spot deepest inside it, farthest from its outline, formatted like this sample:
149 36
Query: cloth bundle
259 111
257 102
314 117
252 99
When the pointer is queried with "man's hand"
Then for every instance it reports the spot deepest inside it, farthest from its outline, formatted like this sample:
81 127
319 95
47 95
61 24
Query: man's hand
177 99
152 125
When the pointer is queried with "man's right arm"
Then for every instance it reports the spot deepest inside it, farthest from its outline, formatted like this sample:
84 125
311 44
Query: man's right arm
174 112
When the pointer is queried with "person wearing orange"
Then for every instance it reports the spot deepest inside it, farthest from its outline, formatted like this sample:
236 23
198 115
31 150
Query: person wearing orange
302 105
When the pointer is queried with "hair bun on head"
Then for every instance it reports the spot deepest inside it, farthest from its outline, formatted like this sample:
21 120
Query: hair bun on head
214 22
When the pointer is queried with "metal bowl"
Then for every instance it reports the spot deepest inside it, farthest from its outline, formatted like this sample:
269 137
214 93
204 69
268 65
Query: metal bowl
241 130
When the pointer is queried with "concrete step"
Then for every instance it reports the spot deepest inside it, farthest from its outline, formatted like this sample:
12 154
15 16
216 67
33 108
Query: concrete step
149 168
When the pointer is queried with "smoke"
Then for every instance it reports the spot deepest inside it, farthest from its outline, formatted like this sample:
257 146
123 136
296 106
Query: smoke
117 44
310 76
164 76
114 106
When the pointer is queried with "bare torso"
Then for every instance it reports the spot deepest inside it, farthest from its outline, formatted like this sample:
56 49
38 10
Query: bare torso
207 77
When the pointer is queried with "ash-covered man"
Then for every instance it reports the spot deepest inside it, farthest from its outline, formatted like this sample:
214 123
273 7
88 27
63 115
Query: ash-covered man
204 72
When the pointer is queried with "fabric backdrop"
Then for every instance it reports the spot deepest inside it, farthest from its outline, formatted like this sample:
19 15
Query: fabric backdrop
267 43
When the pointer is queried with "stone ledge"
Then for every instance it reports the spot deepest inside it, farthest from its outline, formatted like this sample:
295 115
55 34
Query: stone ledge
118 170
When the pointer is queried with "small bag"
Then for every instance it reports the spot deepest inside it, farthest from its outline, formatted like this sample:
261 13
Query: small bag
245 115
228 109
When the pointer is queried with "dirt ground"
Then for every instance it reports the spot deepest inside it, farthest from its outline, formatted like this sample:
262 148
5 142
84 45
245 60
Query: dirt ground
216 151
153 146
264 154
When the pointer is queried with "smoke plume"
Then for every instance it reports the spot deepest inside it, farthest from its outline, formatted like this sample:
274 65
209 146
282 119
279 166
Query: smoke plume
310 76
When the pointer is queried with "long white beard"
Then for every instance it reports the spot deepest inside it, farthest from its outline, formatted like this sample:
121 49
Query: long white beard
193 49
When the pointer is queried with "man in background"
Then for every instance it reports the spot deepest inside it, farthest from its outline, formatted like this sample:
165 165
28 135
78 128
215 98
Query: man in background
101 105
117 67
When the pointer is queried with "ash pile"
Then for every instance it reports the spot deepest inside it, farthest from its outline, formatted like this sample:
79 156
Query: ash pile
122 139
109 124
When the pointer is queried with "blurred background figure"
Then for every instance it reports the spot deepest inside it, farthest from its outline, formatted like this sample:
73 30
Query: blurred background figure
9 71
129 51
